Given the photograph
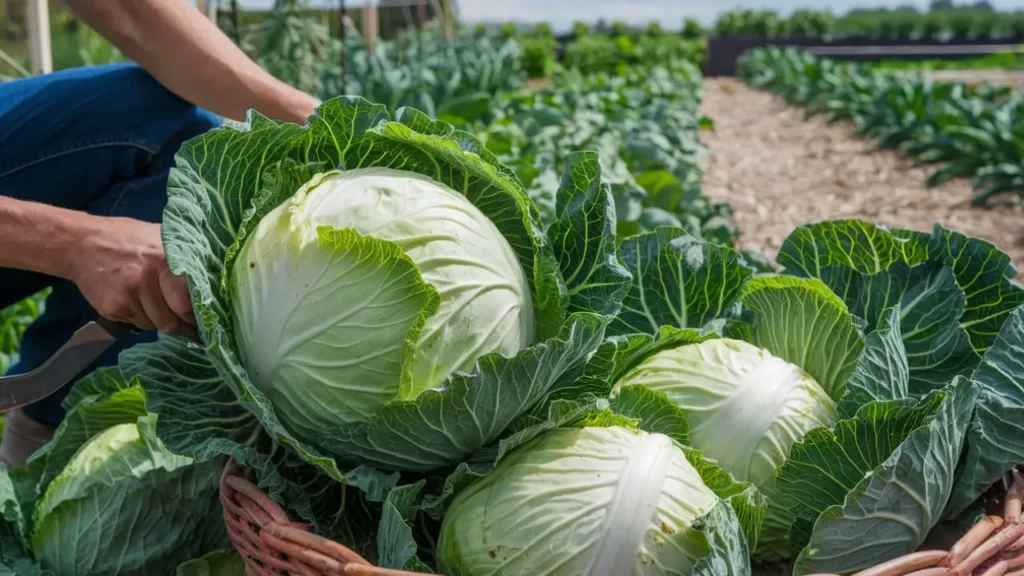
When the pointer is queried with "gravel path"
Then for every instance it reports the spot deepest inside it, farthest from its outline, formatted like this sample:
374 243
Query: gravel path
780 171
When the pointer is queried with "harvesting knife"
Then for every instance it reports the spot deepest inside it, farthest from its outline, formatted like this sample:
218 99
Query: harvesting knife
84 346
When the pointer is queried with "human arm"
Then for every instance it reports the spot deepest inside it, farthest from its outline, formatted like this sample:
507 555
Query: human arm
118 264
191 57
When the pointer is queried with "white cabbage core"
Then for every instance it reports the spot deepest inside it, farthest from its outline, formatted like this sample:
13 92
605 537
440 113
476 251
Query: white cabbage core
322 329
591 501
745 406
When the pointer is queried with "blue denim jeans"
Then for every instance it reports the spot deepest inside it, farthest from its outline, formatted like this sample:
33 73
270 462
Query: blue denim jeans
100 140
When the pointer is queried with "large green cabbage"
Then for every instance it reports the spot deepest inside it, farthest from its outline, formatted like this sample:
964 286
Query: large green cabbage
369 286
591 502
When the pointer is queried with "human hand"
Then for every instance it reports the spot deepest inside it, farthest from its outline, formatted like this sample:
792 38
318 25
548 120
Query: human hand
122 270
301 106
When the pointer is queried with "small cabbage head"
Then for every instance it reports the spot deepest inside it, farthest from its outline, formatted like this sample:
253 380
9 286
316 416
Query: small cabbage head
746 407
146 510
590 501
370 286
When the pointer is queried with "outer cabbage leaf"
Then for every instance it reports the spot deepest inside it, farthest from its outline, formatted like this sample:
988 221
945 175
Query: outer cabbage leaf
396 546
217 563
199 415
995 439
954 291
556 414
729 551
803 322
853 244
583 238
985 273
870 489
959 315
444 427
882 372
678 281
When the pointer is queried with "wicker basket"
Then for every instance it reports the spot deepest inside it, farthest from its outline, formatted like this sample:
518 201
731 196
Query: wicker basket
272 545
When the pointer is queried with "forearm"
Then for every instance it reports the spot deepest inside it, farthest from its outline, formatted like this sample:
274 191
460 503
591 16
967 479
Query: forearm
41 238
189 55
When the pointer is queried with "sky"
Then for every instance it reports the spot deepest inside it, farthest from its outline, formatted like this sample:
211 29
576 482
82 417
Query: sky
562 13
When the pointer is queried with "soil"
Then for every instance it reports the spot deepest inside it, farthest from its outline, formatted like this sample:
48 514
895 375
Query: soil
780 171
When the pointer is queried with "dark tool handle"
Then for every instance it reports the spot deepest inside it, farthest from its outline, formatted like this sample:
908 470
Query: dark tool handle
116 329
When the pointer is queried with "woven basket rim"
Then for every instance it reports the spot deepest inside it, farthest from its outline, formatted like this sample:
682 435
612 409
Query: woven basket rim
271 544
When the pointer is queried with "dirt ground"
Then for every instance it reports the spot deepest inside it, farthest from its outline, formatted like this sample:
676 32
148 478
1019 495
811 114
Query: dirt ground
780 171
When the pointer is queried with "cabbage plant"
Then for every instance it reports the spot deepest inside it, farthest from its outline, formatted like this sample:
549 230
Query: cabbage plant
848 389
105 496
381 291
593 501
132 491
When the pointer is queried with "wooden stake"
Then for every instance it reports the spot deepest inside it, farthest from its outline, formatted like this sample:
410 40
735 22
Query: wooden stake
370 24
449 21
39 36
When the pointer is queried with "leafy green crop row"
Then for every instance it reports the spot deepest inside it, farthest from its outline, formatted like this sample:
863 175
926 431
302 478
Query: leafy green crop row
600 53
971 131
645 124
419 69
1007 60
880 24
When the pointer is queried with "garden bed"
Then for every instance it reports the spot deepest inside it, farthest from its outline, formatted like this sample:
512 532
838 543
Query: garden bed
779 171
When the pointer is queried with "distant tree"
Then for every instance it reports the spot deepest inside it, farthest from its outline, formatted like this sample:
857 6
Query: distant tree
940 5
654 29
543 29
509 30
580 29
692 28
619 28
984 5
602 26
480 30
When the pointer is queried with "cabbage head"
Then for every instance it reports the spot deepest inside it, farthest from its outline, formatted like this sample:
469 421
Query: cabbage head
369 286
590 501
125 505
746 408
